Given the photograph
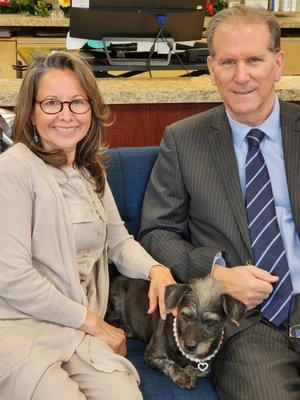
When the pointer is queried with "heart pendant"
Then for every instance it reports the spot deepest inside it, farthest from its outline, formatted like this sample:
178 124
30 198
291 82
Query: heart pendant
202 366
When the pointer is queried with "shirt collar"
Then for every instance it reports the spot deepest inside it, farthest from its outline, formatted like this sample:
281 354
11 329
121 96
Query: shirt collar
271 126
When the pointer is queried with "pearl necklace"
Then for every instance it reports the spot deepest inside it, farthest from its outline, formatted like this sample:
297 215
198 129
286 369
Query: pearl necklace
202 362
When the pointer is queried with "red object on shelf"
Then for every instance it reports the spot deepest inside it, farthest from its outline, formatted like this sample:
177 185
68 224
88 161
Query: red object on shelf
210 8
4 3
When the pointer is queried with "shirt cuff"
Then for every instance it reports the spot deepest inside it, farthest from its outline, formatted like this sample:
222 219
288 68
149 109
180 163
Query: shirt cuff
219 260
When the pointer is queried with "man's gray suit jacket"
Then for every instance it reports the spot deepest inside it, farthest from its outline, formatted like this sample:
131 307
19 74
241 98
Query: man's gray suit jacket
194 206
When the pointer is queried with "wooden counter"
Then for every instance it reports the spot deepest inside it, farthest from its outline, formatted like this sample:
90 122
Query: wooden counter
142 107
13 48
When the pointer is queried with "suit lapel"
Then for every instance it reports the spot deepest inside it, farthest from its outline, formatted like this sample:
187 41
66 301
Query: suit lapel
290 125
221 145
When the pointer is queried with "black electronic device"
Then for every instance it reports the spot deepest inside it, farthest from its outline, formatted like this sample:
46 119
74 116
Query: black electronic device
98 19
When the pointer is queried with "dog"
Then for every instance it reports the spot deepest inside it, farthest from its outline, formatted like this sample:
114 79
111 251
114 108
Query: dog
183 346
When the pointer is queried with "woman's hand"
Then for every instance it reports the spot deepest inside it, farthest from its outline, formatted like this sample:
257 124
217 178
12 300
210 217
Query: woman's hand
160 277
114 337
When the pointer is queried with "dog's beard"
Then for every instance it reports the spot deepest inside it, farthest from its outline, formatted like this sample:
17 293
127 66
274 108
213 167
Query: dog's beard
204 348
201 350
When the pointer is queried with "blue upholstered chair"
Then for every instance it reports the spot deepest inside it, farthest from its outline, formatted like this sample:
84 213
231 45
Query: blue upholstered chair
128 173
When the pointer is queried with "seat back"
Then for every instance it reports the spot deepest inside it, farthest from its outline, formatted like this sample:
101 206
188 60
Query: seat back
6 121
129 169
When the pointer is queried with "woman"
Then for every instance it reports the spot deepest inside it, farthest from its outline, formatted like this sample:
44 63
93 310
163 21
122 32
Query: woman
59 228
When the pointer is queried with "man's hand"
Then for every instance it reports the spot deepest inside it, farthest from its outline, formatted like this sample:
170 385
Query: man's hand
114 337
160 277
249 284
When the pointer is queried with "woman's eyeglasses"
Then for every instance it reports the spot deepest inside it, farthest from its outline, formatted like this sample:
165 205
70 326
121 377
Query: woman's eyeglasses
77 106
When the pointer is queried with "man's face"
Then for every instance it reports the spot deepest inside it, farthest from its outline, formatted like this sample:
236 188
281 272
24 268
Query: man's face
244 70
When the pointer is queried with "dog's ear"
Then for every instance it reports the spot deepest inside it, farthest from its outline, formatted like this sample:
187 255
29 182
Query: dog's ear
174 294
234 309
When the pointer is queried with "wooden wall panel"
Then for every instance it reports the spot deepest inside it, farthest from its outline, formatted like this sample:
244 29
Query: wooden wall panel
7 58
144 124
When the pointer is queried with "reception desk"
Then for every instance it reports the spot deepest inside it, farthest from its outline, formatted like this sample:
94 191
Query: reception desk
142 107
28 34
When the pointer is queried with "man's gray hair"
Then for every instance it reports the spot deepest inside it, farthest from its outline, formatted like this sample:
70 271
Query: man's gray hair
249 15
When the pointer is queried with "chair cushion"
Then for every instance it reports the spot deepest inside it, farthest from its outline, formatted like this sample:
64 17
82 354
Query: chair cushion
156 385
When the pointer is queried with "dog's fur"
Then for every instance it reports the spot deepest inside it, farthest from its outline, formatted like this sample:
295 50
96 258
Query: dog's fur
203 311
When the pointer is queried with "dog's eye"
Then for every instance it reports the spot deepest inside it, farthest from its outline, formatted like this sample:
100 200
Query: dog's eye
211 322
186 317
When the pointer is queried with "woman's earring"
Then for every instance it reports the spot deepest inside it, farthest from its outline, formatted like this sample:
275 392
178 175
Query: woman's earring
35 134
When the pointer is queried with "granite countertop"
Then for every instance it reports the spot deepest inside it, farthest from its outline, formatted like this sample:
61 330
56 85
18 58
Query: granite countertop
292 21
156 90
287 20
18 20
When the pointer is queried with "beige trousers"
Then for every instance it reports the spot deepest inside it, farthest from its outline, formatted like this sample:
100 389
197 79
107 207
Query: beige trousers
77 380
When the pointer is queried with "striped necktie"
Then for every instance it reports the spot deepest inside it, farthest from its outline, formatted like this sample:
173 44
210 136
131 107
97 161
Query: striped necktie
266 240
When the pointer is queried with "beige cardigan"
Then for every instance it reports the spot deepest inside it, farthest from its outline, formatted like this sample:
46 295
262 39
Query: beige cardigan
41 299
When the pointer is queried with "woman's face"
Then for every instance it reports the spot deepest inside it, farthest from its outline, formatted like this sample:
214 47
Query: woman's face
66 128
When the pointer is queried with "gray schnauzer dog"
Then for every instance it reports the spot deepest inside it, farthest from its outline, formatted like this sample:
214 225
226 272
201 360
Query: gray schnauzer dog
181 347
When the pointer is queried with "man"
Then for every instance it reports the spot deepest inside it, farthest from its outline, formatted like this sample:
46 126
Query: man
223 198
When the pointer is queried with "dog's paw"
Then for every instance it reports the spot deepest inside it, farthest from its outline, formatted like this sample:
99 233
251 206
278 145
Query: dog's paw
185 379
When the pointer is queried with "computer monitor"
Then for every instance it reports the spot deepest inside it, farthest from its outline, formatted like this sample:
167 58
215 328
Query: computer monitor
182 20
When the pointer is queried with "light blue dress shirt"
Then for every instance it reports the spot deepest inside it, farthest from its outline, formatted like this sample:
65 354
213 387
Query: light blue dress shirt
272 150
